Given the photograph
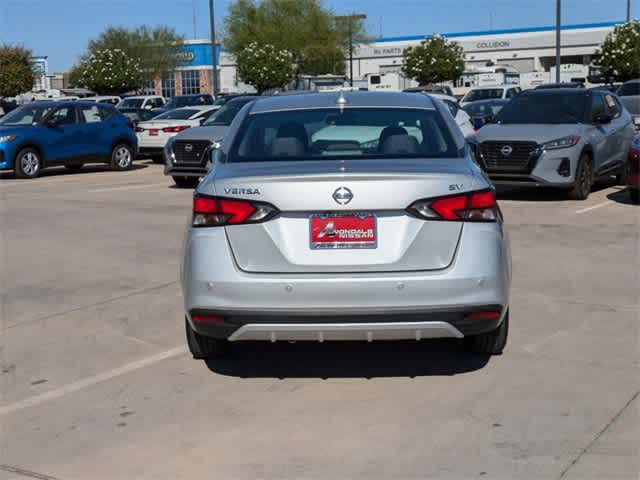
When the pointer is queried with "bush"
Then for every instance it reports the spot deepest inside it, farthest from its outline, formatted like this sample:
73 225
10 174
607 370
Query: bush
435 60
16 71
110 71
619 54
264 66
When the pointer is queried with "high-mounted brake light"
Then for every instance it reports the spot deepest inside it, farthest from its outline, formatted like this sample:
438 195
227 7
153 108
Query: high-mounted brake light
468 207
219 211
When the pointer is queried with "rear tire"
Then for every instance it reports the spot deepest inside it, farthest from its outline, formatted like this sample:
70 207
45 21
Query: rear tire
121 157
584 179
186 182
28 163
634 194
74 167
202 347
490 343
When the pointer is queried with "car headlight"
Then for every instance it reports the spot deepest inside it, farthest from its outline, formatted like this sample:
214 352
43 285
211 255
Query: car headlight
7 138
564 142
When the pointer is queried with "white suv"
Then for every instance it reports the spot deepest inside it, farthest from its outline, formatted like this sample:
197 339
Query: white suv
490 93
141 102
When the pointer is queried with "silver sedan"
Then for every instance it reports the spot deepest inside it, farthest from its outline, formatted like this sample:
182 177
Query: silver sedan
345 216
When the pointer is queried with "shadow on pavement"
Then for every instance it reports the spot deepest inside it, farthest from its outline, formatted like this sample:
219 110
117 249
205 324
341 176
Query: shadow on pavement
544 194
621 195
347 359
87 169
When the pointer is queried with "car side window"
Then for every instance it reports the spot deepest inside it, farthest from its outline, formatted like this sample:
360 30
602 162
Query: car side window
597 107
91 114
63 116
612 106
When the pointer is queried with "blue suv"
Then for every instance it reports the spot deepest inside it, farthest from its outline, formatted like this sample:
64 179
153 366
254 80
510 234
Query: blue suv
43 134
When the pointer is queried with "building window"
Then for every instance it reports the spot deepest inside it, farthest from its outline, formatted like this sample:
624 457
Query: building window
169 86
149 87
190 82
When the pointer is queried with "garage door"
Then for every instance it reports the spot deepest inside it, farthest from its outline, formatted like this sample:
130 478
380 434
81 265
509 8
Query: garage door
523 65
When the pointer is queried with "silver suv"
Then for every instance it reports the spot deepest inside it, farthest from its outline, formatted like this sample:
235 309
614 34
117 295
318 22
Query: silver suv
563 138
355 216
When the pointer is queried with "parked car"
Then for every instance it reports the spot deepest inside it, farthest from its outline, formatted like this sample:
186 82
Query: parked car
483 111
153 134
632 173
223 99
292 212
6 106
45 133
180 101
443 89
563 138
187 154
629 94
141 102
547 86
461 117
112 99
136 115
490 93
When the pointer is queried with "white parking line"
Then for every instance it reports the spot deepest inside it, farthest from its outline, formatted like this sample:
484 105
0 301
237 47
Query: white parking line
594 207
91 381
128 187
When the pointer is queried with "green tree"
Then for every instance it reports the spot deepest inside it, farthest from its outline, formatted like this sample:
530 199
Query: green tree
316 38
110 71
619 54
16 70
435 60
155 49
264 66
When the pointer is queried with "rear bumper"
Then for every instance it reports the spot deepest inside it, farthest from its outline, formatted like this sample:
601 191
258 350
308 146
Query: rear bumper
388 326
478 278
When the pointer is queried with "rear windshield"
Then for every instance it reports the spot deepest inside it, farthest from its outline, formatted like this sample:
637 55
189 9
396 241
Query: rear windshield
181 114
628 89
224 115
544 109
483 94
131 103
348 134
484 109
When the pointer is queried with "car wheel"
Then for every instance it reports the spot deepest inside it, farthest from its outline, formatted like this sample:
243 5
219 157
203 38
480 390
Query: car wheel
74 167
584 179
634 194
121 157
28 163
490 343
202 347
186 182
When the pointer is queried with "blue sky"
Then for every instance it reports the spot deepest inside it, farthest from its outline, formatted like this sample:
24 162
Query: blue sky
61 28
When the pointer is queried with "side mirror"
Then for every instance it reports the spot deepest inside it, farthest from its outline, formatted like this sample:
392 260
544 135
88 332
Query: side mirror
602 119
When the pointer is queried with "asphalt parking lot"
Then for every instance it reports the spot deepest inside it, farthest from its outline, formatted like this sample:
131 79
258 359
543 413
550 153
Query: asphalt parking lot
96 382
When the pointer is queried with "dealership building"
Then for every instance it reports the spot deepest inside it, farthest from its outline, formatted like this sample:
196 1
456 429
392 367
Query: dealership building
525 49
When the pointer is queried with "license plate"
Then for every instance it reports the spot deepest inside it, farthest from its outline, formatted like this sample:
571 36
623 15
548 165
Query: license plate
353 230
153 132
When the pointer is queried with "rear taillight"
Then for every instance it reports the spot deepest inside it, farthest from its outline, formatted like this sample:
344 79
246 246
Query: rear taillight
138 129
176 129
467 207
219 211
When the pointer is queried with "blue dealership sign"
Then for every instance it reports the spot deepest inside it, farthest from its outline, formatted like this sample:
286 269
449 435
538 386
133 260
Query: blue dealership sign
197 55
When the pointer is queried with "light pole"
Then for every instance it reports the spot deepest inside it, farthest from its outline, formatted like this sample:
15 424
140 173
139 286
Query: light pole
558 23
628 11
214 57
350 19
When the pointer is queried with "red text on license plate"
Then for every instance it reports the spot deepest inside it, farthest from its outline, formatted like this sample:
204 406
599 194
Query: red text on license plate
343 231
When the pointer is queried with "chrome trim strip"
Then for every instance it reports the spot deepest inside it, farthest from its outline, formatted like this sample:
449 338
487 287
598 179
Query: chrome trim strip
321 332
